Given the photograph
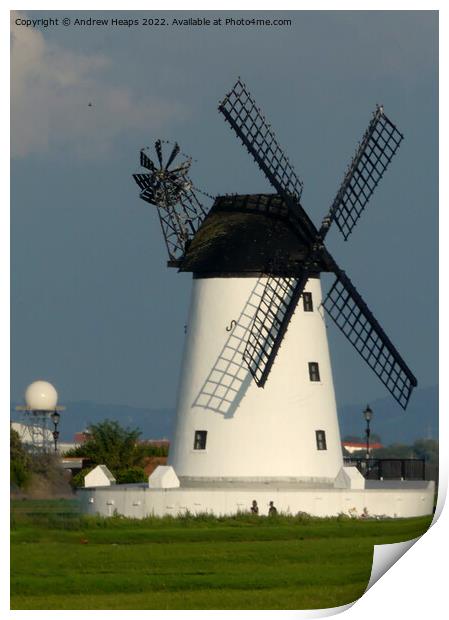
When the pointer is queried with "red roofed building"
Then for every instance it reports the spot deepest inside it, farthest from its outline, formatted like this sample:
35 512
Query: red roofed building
353 446
81 438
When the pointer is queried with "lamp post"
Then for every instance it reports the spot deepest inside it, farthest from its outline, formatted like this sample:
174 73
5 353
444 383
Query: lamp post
367 414
55 419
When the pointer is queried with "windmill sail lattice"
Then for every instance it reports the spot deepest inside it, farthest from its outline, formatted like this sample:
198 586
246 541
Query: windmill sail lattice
374 154
240 110
344 304
276 306
352 316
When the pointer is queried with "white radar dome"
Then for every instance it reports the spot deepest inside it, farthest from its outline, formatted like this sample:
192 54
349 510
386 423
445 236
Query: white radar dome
41 396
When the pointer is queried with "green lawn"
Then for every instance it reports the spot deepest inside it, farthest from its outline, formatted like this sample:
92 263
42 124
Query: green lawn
61 560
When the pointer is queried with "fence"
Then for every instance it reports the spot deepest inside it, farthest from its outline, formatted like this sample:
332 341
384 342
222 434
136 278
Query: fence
393 469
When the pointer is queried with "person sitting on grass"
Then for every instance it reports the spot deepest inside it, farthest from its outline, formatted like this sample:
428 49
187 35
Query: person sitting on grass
272 510
254 508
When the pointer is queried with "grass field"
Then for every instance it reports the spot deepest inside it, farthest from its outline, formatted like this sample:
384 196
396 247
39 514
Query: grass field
61 560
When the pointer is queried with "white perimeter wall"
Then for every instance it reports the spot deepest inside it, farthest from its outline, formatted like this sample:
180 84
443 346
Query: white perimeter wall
253 432
141 501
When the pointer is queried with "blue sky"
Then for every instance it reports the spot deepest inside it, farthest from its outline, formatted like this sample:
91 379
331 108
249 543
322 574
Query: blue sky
94 309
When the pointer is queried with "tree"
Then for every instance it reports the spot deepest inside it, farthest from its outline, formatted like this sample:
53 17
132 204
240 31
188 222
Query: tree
422 449
78 479
35 472
112 445
149 449
426 449
19 461
394 451
131 475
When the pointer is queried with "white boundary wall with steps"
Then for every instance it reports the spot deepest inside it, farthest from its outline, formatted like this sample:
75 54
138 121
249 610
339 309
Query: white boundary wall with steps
392 499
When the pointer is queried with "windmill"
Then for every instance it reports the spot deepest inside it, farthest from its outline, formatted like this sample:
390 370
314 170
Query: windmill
253 258
167 186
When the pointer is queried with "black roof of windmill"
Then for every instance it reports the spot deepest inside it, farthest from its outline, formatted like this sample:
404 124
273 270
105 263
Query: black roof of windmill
271 235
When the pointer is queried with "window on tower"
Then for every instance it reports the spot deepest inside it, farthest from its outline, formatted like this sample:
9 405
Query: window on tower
307 302
199 442
314 371
320 440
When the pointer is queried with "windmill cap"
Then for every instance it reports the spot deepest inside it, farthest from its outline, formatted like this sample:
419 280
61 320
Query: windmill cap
41 396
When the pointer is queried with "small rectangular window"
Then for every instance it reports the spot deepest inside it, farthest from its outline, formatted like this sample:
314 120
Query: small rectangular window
199 442
314 371
321 440
307 302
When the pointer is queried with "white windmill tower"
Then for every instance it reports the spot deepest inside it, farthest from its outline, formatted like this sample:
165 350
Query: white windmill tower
41 408
256 398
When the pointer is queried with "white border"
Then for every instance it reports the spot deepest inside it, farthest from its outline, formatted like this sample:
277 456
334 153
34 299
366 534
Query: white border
414 587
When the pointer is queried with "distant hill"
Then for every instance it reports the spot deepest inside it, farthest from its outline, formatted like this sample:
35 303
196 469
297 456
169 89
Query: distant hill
389 420
394 425
154 423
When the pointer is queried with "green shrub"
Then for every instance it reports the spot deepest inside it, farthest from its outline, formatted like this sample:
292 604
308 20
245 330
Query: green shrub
20 474
20 469
77 481
151 450
131 475
112 445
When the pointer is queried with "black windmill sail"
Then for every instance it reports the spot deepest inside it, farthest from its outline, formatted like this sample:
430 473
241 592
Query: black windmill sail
282 292
167 186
